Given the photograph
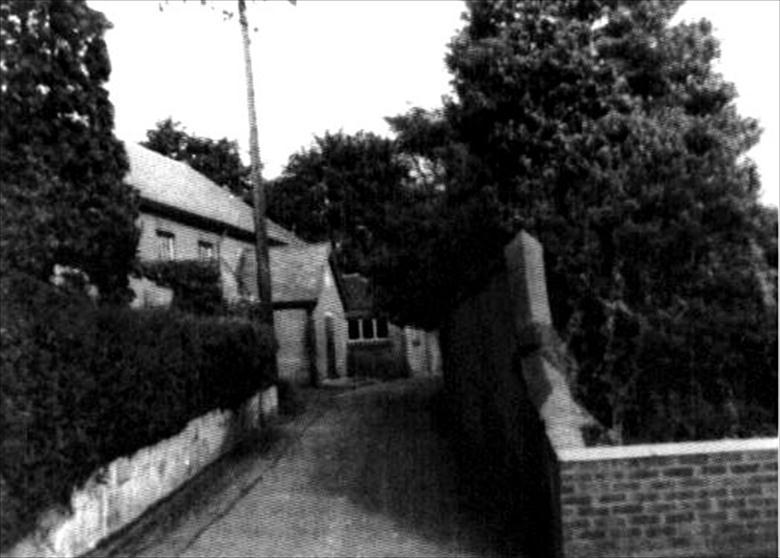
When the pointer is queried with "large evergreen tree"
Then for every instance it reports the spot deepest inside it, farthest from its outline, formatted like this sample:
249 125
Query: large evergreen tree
62 199
602 129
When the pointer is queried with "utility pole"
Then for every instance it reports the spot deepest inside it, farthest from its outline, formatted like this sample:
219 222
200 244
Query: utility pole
261 236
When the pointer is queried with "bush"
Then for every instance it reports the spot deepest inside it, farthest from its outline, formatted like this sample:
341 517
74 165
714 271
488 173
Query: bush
195 284
84 385
371 361
708 371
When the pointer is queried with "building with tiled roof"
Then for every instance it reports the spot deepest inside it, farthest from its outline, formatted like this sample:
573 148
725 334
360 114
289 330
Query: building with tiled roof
173 188
186 216
298 273
377 347
308 313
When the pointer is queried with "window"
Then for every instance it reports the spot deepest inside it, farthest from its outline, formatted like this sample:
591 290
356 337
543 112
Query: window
381 328
205 250
353 327
367 329
166 245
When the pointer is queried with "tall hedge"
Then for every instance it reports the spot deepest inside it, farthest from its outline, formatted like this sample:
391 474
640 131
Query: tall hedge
83 385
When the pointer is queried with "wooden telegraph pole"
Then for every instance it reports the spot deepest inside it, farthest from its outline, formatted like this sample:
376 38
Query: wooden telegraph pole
258 192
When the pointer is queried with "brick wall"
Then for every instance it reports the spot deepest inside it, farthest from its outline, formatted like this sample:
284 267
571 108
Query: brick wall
701 498
520 434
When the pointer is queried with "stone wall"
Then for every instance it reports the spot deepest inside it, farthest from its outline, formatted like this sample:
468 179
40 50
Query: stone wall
119 493
682 499
521 435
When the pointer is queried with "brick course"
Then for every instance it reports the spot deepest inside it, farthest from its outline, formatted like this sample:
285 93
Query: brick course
738 481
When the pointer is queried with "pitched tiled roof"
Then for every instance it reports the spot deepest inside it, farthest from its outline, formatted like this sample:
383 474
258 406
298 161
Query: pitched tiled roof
175 184
357 293
297 271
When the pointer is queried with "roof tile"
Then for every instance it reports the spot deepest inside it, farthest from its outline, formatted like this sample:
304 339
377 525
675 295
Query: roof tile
176 184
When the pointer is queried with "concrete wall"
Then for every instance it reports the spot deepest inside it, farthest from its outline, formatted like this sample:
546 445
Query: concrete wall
329 302
682 499
292 357
521 434
119 493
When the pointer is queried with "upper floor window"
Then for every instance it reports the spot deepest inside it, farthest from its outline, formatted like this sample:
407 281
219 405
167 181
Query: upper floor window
367 329
166 245
205 251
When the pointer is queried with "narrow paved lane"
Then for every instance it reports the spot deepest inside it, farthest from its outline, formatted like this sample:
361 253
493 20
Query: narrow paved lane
362 472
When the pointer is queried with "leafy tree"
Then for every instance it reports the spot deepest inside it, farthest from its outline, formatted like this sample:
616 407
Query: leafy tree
603 130
62 199
217 159
346 189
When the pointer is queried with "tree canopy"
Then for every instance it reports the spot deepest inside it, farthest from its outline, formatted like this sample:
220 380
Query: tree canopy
603 130
346 189
62 199
219 160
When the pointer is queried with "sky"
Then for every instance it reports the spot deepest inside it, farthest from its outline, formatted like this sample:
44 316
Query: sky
345 65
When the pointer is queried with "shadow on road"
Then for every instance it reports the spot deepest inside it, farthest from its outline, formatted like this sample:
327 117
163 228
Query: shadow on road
390 455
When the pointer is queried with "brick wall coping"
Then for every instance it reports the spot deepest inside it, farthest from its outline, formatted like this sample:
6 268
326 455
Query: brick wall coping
674 448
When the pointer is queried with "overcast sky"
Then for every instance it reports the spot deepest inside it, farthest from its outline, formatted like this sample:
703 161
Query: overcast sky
346 65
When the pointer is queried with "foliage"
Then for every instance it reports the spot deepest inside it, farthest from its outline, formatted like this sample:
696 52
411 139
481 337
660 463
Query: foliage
244 308
195 283
219 160
62 199
84 385
345 189
602 130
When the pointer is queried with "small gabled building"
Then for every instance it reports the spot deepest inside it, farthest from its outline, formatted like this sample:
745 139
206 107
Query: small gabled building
378 348
308 313
375 347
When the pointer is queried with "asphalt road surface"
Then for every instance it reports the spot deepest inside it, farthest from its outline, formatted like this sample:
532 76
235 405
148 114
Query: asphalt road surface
361 472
